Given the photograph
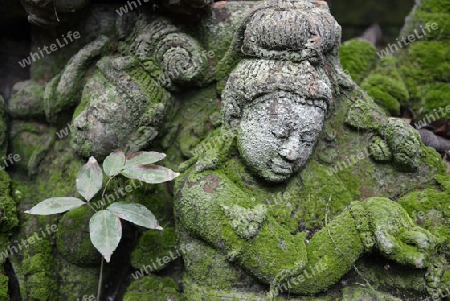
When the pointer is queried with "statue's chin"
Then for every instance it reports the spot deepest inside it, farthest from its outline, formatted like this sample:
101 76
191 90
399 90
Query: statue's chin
273 177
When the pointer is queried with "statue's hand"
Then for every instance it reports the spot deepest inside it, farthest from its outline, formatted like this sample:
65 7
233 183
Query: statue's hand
403 143
396 236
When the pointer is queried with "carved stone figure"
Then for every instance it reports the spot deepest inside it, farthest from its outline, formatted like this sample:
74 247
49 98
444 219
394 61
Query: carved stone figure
279 107
125 102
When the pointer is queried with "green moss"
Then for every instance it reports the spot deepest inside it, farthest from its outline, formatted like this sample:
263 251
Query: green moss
386 86
365 114
435 101
425 62
41 283
26 139
405 143
431 210
358 57
4 288
379 150
84 103
190 125
77 281
73 239
153 246
8 207
35 265
390 277
153 288
357 293
432 160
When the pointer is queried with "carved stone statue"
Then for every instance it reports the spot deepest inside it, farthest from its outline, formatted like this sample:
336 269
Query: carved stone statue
279 107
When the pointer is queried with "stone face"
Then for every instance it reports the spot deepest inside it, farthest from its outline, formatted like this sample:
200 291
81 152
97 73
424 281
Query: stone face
115 105
125 102
277 135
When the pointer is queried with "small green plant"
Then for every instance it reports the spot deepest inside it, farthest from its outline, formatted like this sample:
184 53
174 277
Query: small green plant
105 228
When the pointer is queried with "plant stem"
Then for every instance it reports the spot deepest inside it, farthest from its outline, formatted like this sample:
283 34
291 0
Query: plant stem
91 207
106 186
99 288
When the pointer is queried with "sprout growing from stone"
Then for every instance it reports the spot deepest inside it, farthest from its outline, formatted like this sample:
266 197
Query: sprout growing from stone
105 227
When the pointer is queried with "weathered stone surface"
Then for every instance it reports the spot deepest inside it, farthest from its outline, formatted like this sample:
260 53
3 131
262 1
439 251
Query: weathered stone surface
27 100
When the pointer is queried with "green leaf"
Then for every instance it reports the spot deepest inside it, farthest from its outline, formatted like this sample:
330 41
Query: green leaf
89 179
105 232
114 163
135 213
152 174
143 158
56 205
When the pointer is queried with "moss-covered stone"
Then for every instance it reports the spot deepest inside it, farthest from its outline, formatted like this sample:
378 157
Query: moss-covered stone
425 65
155 249
29 140
152 288
65 90
77 282
386 86
358 58
8 207
35 266
363 294
431 209
4 296
27 100
73 239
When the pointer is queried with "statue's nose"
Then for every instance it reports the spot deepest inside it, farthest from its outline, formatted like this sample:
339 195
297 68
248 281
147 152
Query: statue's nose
290 149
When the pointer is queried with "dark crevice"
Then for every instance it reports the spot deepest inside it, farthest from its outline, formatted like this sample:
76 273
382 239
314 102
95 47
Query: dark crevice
13 282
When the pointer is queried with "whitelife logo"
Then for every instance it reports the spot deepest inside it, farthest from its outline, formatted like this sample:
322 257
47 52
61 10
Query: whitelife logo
34 56
132 5
411 38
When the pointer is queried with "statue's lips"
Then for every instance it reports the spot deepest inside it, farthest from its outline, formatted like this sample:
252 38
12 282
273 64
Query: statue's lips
281 167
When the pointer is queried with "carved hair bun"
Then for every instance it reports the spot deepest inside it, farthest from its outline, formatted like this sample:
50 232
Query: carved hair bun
291 30
254 78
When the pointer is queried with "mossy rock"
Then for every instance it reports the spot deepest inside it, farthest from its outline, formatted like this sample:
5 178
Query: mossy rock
27 100
155 249
430 208
153 288
73 239
358 57
4 296
8 208
30 140
386 86
424 63
355 293
435 102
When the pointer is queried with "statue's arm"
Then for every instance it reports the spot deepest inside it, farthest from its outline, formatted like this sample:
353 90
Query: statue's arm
215 210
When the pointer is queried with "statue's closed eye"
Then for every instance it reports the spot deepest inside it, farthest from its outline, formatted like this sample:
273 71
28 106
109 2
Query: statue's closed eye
280 133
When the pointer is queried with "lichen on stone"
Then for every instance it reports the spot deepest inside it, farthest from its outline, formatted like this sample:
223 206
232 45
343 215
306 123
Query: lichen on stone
246 222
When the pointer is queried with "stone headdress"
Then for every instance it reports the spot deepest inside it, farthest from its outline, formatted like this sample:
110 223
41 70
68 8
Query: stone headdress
258 77
280 46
